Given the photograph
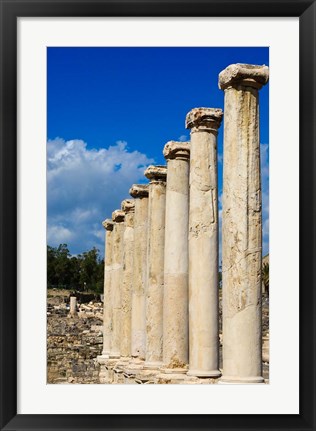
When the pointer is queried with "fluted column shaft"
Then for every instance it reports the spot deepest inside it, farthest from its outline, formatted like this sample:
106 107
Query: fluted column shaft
176 263
116 280
203 243
156 240
242 224
107 304
138 347
128 206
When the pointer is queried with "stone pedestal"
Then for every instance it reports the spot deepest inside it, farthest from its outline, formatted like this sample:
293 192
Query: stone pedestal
103 372
116 280
132 369
118 370
242 224
155 264
128 206
107 304
138 336
176 264
108 372
73 306
171 376
203 243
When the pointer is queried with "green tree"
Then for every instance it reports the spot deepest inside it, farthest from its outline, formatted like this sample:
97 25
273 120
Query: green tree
74 272
62 265
90 270
51 261
265 276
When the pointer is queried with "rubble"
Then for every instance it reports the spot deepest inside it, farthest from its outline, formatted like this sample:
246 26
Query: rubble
73 344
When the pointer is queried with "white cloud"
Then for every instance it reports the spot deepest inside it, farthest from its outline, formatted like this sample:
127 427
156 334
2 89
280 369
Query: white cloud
58 234
84 186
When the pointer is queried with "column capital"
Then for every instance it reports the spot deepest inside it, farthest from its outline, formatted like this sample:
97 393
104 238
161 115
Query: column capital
175 149
118 216
247 75
204 119
128 206
156 173
107 224
139 191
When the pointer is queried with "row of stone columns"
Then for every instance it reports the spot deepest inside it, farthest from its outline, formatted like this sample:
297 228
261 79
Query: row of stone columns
161 262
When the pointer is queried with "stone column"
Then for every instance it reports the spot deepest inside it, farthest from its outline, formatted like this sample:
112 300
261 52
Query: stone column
140 193
73 306
156 243
242 224
116 280
176 265
203 243
128 206
107 304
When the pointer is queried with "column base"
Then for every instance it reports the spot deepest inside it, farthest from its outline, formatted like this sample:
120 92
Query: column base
151 365
134 366
166 370
106 374
233 380
114 355
102 359
203 373
123 361
137 360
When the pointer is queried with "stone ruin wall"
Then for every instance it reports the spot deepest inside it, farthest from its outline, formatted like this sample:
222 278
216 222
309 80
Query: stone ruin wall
74 340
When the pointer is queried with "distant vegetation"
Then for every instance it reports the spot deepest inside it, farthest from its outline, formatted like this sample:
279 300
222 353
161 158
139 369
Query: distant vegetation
265 276
83 272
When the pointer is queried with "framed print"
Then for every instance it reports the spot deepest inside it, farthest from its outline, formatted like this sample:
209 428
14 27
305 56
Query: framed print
38 41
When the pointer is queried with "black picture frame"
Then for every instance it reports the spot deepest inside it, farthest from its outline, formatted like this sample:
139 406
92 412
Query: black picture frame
10 11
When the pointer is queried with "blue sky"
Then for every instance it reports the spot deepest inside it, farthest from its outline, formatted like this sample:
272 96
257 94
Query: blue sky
109 113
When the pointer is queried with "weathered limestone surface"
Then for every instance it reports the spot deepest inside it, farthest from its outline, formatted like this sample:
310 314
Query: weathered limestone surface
156 244
128 206
203 243
107 302
176 263
73 306
242 224
116 280
140 193
246 75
